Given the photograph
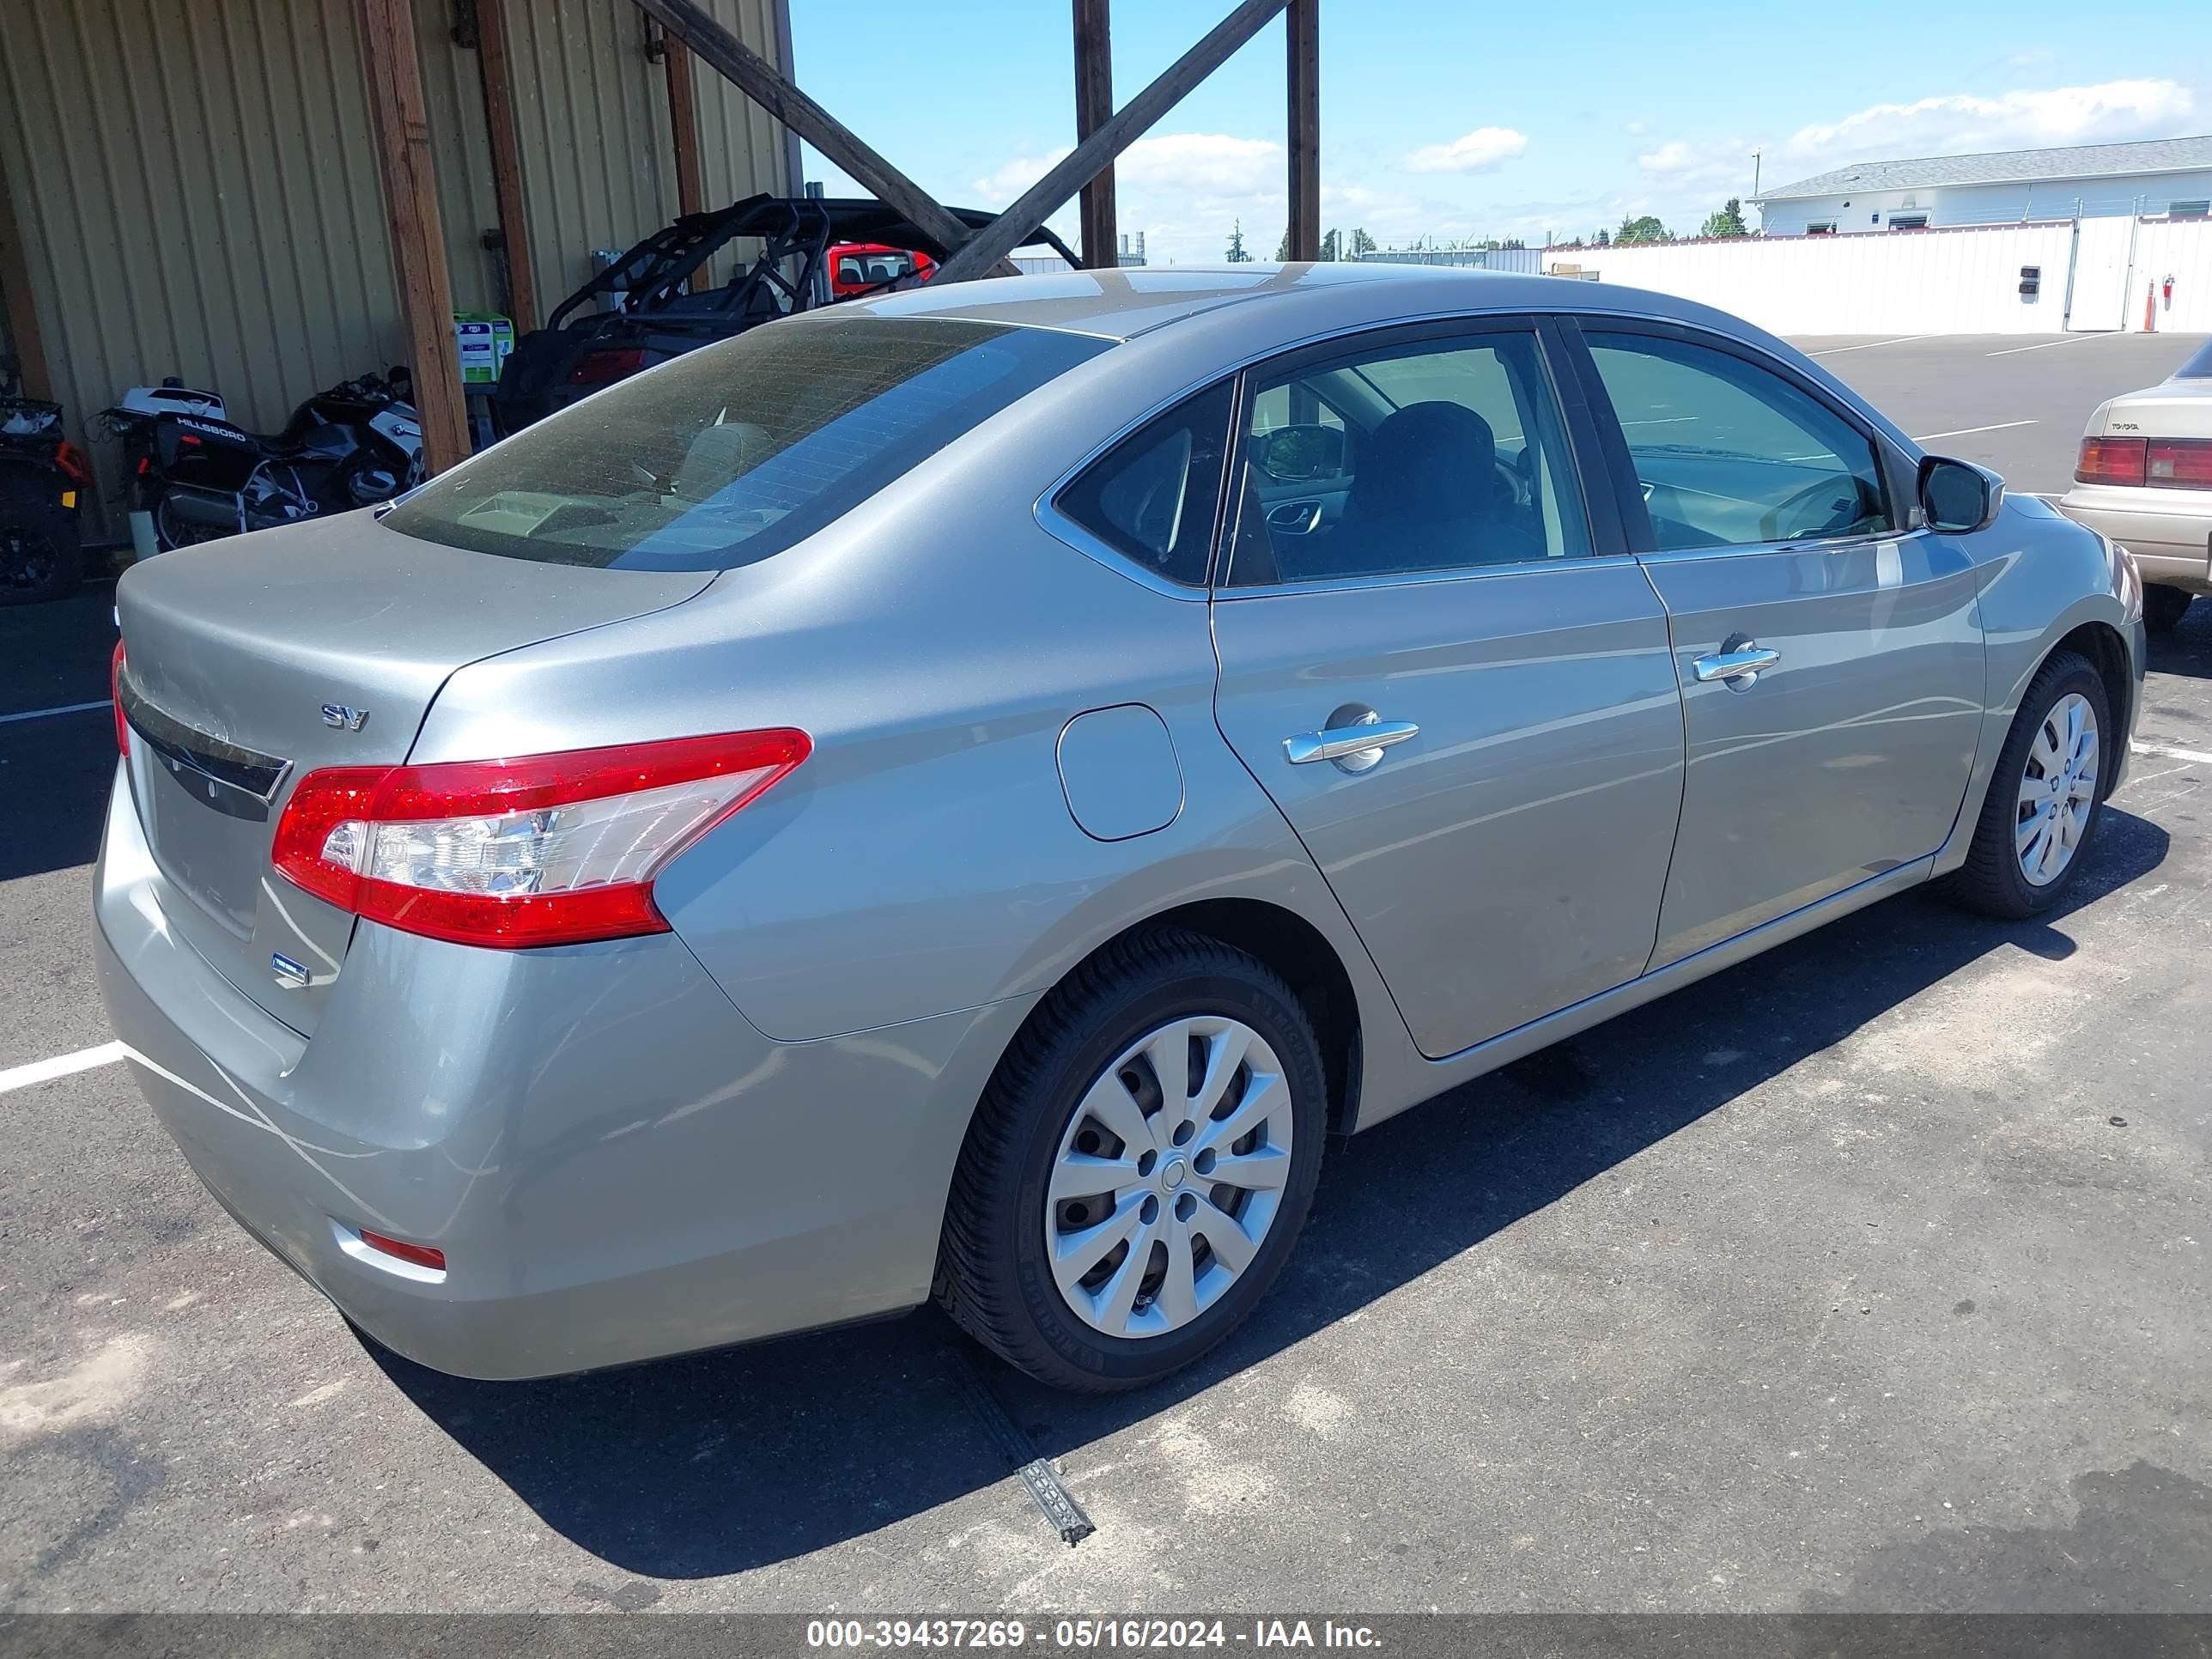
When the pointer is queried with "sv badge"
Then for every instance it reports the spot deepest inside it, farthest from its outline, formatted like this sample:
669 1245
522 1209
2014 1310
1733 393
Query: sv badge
340 717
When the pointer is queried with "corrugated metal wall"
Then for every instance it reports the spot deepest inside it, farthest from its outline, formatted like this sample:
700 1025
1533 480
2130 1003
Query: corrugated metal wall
198 191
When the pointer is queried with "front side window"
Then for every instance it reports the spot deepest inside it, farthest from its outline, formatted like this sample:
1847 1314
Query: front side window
1730 454
740 450
1443 453
1153 497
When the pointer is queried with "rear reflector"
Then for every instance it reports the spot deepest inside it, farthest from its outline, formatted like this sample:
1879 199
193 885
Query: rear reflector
546 849
2184 462
115 698
422 1256
604 368
2111 460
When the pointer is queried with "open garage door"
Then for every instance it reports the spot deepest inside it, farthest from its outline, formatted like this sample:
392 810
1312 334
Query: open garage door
2098 295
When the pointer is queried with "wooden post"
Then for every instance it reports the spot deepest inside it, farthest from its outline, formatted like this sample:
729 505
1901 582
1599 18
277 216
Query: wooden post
498 74
1094 107
760 81
1019 223
1301 79
418 247
684 125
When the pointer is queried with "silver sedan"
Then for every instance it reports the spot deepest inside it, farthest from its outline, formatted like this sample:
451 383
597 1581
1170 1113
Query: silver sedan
966 792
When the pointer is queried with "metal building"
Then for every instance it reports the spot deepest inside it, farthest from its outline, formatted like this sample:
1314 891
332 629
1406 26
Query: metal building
194 190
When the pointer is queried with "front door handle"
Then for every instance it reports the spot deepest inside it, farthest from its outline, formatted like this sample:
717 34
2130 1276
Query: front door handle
1341 742
1738 667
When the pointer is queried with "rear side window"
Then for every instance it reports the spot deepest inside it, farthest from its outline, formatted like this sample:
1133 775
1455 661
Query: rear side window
1153 497
740 450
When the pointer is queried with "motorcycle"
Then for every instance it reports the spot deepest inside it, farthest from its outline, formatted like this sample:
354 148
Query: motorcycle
43 478
200 475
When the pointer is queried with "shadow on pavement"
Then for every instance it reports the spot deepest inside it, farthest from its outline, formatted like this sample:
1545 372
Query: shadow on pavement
55 769
722 1462
2188 648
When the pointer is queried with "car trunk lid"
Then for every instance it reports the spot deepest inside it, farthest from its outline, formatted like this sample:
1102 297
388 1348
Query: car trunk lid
254 661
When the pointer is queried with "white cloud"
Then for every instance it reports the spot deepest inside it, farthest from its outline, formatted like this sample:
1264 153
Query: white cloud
1961 123
1672 156
1471 152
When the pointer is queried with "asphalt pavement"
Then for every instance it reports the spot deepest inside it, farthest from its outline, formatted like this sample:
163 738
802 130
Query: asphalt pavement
1869 1274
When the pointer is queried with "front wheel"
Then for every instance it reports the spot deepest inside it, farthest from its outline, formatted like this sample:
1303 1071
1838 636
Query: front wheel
1140 1166
2046 797
40 558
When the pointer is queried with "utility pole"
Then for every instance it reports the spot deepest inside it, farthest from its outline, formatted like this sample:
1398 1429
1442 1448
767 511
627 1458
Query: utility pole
1755 175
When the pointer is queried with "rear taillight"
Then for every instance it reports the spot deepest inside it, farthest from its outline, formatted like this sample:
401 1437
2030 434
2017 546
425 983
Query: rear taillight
2184 462
604 368
547 850
2111 460
422 1256
115 696
71 460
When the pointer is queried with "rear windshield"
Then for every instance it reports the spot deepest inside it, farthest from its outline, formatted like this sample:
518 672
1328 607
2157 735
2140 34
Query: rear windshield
2199 365
739 450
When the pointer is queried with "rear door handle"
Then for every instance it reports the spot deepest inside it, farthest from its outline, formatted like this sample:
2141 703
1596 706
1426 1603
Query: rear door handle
1342 742
1738 669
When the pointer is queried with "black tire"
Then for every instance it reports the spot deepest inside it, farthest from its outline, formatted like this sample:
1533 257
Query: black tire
40 559
1992 880
2164 607
992 1277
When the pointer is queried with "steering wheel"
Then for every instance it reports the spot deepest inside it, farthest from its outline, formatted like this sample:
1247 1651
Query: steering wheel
1517 486
1783 523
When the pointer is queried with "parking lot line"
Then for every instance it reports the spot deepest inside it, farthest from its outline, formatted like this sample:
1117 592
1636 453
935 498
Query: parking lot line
46 1071
41 714
2165 751
1869 345
1966 431
2041 345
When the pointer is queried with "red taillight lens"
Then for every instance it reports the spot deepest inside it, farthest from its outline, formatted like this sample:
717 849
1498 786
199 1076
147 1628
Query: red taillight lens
603 368
2111 460
71 460
115 696
422 1256
546 849
2184 462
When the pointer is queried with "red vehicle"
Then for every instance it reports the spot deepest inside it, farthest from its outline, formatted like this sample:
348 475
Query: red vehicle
858 268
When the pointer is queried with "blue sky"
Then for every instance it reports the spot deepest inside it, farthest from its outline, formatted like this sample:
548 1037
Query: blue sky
1465 117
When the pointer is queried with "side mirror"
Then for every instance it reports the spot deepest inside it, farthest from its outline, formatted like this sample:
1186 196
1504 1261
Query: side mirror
1957 495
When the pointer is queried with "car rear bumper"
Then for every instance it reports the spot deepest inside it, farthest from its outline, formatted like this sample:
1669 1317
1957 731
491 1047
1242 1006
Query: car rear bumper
616 1165
2169 531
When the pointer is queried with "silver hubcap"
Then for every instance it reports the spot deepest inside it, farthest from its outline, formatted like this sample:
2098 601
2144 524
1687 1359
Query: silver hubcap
1168 1177
2058 788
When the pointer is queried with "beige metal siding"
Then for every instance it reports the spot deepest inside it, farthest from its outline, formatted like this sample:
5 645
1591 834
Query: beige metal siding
741 148
597 168
460 149
199 196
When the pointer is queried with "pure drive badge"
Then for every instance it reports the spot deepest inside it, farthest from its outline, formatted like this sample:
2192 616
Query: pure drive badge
290 974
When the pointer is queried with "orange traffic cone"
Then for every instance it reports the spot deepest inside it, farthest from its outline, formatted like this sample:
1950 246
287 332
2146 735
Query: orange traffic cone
2150 309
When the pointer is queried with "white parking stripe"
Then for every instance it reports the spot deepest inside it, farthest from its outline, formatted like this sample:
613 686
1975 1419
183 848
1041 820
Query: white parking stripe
66 708
2165 751
1966 431
1869 345
46 1071
2040 345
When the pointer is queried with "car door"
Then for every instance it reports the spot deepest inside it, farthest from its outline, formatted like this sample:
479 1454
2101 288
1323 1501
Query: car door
1459 691
1829 653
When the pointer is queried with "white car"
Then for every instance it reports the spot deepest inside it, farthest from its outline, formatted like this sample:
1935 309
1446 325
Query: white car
2145 479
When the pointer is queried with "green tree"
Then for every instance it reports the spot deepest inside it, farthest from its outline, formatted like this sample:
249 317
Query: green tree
1362 242
1332 245
1603 239
1729 222
1283 247
1643 227
1236 255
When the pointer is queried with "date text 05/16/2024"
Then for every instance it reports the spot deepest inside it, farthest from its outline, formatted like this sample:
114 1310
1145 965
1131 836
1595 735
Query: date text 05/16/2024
1080 1635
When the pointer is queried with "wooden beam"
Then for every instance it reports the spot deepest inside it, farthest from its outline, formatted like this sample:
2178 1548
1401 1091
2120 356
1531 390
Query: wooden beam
15 289
1302 81
760 81
683 126
1018 222
498 73
1094 107
418 245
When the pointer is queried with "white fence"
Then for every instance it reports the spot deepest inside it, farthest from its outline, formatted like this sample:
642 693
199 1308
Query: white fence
1963 280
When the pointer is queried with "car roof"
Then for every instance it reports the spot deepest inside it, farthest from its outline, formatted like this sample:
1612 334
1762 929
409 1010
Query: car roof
1120 305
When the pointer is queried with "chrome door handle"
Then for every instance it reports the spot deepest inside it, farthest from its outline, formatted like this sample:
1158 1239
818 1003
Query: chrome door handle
1342 742
1739 668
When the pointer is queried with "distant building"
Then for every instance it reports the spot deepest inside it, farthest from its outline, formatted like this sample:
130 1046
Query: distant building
2162 176
1132 253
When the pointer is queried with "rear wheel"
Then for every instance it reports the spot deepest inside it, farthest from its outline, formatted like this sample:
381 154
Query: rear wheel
1140 1166
2164 607
2046 797
40 558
